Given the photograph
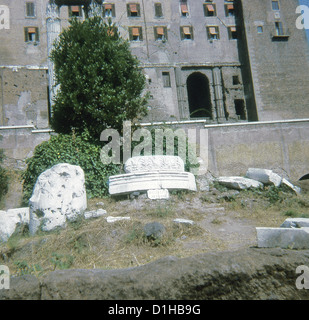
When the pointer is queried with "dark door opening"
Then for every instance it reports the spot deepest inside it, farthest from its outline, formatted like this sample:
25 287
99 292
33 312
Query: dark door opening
199 96
240 109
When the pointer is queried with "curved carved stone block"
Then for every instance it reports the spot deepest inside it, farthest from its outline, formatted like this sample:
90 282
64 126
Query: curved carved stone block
152 172
154 163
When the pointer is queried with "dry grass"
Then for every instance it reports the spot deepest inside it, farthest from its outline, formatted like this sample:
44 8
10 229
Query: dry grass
221 223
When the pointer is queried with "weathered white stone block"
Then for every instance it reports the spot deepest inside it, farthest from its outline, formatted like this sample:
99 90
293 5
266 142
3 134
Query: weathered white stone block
288 184
128 183
10 219
94 213
183 221
152 172
7 225
292 238
59 195
157 194
264 175
295 223
111 219
22 213
154 163
239 183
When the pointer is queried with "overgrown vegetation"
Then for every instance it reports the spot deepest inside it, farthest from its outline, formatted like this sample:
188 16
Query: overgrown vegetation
73 149
94 243
4 178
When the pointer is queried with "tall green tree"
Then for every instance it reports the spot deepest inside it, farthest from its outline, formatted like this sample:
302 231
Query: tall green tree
101 83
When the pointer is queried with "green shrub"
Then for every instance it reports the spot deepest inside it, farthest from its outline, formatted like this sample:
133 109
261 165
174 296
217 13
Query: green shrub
101 83
75 150
61 261
23 268
4 179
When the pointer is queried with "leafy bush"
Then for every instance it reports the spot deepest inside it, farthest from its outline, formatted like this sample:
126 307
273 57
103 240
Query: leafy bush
101 83
75 150
4 179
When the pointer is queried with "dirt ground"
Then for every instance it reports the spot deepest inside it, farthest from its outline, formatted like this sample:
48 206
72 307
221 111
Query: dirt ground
224 220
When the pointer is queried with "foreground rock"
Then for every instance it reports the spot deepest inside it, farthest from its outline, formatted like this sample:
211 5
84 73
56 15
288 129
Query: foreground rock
292 238
154 230
10 219
250 274
293 234
295 223
239 183
268 177
264 176
59 195
289 185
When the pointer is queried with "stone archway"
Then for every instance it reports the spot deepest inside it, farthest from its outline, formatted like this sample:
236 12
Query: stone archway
199 96
305 177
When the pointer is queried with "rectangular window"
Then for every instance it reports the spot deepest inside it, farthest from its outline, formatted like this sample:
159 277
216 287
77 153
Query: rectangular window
230 10
160 33
279 28
135 34
213 33
133 10
184 9
30 9
109 10
232 33
186 33
158 10
75 11
166 79
275 5
31 34
259 29
236 80
210 10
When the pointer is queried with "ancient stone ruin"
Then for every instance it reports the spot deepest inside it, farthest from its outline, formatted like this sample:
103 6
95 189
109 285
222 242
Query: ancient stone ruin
257 178
292 234
59 195
154 175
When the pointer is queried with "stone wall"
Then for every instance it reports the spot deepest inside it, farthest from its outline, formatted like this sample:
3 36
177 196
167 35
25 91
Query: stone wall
24 95
19 142
280 146
232 148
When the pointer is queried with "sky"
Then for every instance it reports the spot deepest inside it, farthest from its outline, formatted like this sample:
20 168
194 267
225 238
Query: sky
306 16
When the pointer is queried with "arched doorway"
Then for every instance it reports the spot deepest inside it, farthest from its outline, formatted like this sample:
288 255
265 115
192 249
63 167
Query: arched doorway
305 177
199 96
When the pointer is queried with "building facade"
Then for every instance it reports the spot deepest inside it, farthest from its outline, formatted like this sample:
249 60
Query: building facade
216 61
